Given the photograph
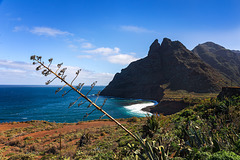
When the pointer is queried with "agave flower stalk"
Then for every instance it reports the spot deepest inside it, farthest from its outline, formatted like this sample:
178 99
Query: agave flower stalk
61 76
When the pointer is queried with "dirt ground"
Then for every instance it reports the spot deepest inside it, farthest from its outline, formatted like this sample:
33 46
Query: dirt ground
23 137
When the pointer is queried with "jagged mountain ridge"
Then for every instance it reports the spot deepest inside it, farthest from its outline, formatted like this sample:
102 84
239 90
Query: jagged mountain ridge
236 51
171 64
224 60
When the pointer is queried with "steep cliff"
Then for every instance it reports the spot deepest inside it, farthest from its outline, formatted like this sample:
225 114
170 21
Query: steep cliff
170 64
224 60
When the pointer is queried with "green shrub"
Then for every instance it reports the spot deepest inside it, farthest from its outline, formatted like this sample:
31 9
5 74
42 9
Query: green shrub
202 155
238 145
133 119
28 138
149 149
187 113
224 155
151 126
22 157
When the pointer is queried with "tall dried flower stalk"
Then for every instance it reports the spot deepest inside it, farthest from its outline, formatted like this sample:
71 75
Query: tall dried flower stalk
61 75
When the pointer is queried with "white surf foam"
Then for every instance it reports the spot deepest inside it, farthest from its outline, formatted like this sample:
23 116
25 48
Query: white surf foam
136 109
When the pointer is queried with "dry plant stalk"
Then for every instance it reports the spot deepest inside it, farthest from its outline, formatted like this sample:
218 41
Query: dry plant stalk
61 75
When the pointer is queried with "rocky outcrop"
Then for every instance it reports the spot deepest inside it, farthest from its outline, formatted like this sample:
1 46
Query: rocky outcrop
167 107
170 64
228 92
236 51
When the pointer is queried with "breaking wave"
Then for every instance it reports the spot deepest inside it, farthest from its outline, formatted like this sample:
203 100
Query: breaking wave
136 109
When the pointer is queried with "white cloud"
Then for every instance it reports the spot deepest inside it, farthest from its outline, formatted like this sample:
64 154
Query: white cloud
46 31
12 65
20 28
73 47
89 77
87 45
12 71
132 53
103 51
121 59
112 55
80 40
22 73
135 29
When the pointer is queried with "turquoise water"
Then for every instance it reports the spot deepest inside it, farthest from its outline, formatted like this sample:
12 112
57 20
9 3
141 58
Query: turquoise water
24 103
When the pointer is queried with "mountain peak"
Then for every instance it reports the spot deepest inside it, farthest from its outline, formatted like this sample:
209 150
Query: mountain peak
155 45
170 63
210 46
166 43
154 48
227 62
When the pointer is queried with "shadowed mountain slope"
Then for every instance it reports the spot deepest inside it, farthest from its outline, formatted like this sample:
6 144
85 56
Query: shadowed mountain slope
171 65
224 60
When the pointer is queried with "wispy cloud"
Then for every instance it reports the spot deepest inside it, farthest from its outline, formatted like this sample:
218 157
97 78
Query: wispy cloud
42 31
73 47
46 31
135 29
80 40
88 77
75 44
12 65
87 45
103 51
121 59
13 72
112 55
20 28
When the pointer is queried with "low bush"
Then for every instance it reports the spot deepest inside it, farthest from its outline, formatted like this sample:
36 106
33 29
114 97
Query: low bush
22 157
224 155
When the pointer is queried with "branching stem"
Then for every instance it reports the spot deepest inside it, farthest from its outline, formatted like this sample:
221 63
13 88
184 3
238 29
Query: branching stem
94 104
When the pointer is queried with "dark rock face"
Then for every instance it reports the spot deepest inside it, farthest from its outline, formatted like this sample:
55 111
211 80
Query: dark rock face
228 92
170 63
236 51
225 61
167 107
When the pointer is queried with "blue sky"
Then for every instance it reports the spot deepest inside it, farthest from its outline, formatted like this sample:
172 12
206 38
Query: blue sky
103 36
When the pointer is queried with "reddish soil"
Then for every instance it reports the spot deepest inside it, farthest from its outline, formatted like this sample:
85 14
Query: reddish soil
46 136
7 126
66 128
70 128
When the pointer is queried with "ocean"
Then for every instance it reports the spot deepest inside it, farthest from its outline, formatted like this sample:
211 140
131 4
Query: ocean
25 103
